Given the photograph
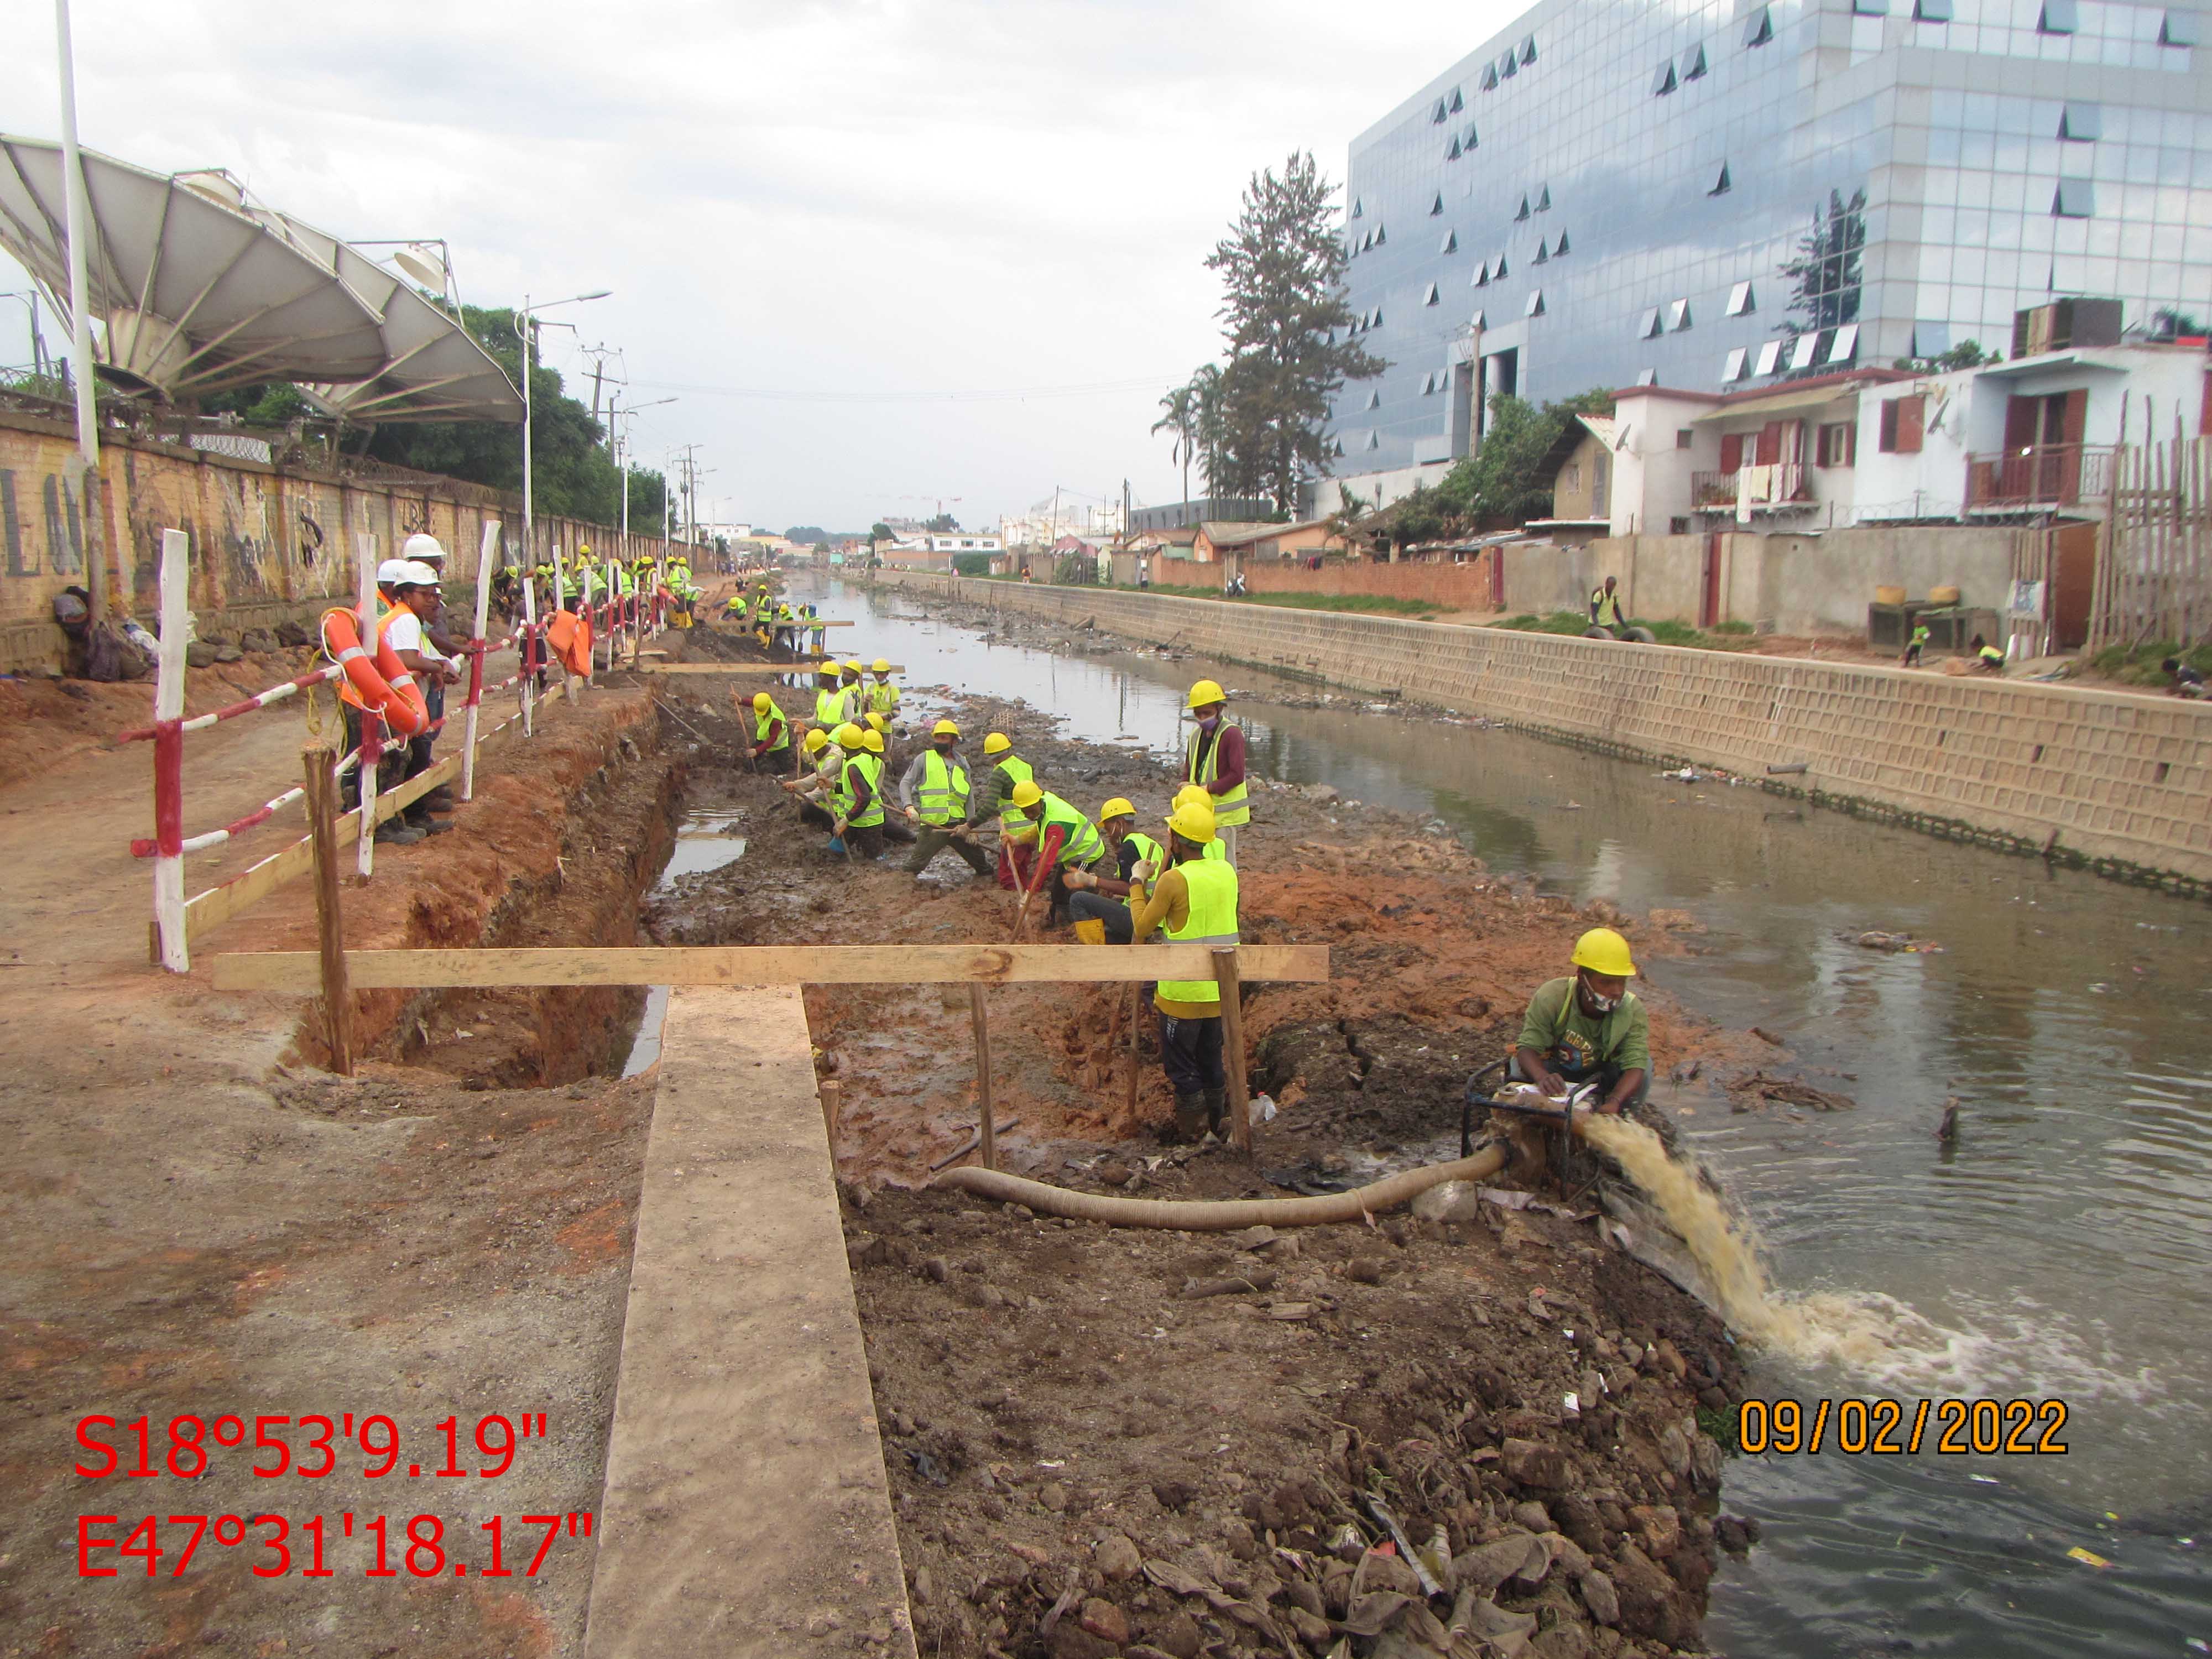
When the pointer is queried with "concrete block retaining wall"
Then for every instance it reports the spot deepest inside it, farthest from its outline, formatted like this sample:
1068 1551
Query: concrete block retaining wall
2123 781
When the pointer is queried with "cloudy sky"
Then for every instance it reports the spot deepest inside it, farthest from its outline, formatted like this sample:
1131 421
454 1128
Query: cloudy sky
883 251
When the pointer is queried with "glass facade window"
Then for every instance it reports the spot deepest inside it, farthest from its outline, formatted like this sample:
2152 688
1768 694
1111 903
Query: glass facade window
1887 182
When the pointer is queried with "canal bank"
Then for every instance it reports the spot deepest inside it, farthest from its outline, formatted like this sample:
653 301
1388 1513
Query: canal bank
2112 780
2055 1248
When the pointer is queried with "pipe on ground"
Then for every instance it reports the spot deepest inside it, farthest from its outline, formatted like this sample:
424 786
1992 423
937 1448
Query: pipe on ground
1222 1215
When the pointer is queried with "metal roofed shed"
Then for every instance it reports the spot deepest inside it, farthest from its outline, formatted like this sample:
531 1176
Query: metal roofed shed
193 293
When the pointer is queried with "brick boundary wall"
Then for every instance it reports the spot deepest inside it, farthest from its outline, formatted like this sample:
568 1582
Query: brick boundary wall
2117 782
270 544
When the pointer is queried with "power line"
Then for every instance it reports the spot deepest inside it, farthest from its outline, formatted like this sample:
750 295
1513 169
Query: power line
1008 394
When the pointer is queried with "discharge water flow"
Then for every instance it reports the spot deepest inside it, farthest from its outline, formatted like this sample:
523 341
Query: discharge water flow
1874 1337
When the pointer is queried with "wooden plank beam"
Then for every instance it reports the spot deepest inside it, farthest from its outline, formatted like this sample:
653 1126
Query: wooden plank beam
805 665
740 964
219 904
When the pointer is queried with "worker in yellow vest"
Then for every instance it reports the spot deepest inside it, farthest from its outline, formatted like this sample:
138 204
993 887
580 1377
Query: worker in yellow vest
935 793
771 730
1191 795
859 826
1002 771
1108 896
817 790
883 694
832 708
1214 760
1193 902
1066 844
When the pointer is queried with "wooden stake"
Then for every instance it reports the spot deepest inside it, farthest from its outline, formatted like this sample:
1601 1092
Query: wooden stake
985 1128
1136 1018
833 1113
322 790
1232 1043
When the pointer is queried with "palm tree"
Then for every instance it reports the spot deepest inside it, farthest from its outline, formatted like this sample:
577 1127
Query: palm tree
1181 417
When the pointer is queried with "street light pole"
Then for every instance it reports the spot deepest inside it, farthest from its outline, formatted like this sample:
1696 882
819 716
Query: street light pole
525 323
79 213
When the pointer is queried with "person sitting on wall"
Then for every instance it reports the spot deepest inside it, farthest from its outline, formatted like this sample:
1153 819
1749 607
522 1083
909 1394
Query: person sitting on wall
1589 1027
2187 681
1604 604
1987 657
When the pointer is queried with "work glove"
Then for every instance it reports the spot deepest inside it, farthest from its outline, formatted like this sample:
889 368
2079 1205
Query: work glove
1142 870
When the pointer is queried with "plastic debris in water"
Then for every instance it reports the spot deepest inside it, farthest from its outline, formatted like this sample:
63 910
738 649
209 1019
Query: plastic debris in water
2088 1558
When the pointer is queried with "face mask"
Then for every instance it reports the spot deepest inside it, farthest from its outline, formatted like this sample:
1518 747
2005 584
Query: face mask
1207 722
1595 1003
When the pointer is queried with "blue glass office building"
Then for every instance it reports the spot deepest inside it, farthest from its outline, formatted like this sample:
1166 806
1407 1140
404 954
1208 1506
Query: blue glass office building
1714 195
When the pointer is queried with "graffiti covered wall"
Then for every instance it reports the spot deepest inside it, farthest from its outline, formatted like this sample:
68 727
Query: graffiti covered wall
268 543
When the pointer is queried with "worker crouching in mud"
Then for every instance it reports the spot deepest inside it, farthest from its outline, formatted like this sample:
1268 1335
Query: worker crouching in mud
1108 897
1193 902
860 827
1064 842
1589 1026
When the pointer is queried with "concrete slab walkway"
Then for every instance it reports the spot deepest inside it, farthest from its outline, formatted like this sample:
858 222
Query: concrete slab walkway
746 1504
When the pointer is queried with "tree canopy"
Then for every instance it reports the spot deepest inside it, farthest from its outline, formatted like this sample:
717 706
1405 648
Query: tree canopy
1504 483
1256 422
571 472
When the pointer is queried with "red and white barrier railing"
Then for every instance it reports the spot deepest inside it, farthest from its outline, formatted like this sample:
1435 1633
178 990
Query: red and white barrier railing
176 920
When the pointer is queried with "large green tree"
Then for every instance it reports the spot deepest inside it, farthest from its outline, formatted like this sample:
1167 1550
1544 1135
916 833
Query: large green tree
571 472
1283 311
1501 485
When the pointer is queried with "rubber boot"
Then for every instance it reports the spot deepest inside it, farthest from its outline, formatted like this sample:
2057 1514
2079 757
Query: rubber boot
1217 1113
1190 1119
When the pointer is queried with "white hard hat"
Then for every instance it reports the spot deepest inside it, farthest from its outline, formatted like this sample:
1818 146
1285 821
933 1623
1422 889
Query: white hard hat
422 547
391 571
421 574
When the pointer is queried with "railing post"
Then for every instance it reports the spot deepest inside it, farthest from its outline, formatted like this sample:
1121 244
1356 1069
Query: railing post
533 647
372 723
322 791
1232 1044
986 1128
476 661
169 754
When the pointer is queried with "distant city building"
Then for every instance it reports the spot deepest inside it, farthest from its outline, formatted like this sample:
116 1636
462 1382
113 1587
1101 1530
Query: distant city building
1177 514
1723 196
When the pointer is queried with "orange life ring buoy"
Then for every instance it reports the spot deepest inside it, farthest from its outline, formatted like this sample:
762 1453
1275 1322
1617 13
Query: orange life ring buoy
570 636
381 683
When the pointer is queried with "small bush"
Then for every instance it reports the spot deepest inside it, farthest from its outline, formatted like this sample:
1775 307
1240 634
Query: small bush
971 564
1734 626
1670 632
1559 621
2140 664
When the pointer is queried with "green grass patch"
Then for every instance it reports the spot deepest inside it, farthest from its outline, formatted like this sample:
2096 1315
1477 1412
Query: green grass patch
1734 626
1728 636
2139 665
1373 604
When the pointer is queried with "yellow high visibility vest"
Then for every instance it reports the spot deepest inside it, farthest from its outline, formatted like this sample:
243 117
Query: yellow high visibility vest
1212 920
1229 808
944 791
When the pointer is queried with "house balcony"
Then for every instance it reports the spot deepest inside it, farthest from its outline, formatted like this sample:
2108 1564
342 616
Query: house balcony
1782 487
2040 477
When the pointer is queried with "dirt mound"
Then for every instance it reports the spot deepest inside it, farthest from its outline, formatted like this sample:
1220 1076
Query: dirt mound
1085 1457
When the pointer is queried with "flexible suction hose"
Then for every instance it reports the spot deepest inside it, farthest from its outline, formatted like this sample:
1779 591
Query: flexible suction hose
1221 1215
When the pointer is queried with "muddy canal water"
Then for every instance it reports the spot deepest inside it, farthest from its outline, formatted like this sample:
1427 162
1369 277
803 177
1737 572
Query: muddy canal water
2061 1248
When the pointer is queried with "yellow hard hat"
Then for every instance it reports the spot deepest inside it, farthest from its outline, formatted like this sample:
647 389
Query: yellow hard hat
1193 822
879 722
1204 692
1604 951
1117 808
849 736
1194 794
881 666
815 741
944 729
828 670
762 703
872 741
1026 793
583 549
997 744
853 666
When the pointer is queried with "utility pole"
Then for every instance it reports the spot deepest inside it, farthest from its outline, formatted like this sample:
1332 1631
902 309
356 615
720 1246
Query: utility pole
79 212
